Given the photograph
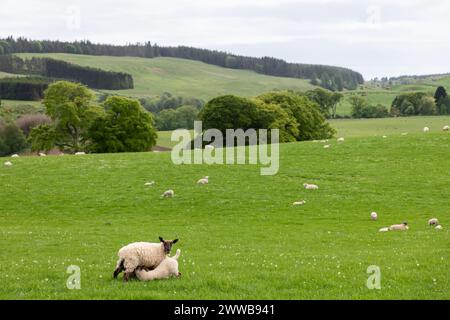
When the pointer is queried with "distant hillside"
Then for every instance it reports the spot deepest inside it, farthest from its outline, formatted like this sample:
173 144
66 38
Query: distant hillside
330 77
181 77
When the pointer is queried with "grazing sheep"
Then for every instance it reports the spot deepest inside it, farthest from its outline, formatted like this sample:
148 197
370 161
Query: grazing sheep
15 156
327 146
310 186
341 140
80 153
426 129
203 180
374 216
168 194
41 154
142 254
299 203
446 128
433 222
8 164
166 269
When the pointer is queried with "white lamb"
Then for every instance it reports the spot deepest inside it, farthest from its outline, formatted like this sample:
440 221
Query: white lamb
149 184
142 254
396 227
41 154
299 203
168 194
327 146
446 128
80 153
433 222
15 156
8 164
426 129
203 180
166 269
310 186
341 140
374 216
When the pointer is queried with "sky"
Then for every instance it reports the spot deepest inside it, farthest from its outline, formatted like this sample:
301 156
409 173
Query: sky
377 38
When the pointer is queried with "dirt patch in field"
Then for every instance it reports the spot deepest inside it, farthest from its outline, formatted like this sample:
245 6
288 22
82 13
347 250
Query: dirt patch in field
157 71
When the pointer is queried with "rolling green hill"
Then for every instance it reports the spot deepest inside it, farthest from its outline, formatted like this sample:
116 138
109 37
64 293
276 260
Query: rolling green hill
182 77
240 236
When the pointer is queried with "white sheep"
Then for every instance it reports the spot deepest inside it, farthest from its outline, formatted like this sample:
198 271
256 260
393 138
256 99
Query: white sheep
384 137
81 153
433 222
166 269
299 203
149 184
168 194
446 128
327 146
8 164
203 180
396 227
438 227
15 156
341 140
310 186
142 254
374 216
41 154
426 129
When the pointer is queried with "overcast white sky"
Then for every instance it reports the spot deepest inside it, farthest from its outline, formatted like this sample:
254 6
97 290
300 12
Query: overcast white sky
376 38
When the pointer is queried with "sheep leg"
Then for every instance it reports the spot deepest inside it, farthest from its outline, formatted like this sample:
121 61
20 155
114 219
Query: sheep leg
130 266
119 268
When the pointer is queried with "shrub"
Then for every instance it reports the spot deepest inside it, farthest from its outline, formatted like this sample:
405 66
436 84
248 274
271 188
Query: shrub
12 139
30 121
42 138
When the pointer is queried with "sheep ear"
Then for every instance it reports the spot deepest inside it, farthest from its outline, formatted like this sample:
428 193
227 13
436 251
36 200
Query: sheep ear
161 239
175 241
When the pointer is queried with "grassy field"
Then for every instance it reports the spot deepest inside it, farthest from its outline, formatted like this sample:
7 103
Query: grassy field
240 236
182 77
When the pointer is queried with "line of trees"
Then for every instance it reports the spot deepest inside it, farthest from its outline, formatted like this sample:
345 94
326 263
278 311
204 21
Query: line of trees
47 67
330 77
23 88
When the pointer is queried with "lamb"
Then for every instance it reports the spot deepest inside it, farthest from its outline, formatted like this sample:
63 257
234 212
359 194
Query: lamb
203 180
310 186
142 254
446 128
15 156
374 216
426 129
80 153
149 184
433 222
8 164
166 269
41 154
396 227
327 146
341 140
168 194
299 203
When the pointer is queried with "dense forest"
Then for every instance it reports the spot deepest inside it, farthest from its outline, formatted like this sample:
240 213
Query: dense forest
329 77
92 77
23 88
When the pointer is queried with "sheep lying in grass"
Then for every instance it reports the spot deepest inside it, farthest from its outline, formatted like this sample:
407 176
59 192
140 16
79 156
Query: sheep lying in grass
80 153
8 164
203 180
41 154
310 186
299 203
426 129
168 194
396 227
15 156
149 184
166 269
142 254
327 146
446 128
341 140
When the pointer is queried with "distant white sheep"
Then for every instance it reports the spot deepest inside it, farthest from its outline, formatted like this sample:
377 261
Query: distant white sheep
341 140
299 203
327 146
166 269
308 186
374 216
8 164
81 153
149 184
203 180
433 222
41 154
438 227
396 227
168 194
426 129
446 128
15 156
